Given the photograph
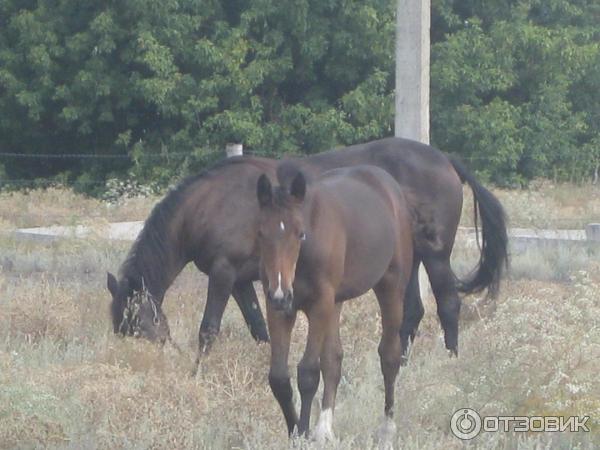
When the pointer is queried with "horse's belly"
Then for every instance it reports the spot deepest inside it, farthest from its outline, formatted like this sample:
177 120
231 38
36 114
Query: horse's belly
354 286
367 257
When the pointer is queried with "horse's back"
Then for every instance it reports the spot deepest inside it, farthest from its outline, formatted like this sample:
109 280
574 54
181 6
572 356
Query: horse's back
367 181
435 186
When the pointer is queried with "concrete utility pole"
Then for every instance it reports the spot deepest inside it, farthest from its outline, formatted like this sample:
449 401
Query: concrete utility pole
413 21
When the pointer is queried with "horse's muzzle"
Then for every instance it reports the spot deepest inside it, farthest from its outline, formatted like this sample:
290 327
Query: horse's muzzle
284 303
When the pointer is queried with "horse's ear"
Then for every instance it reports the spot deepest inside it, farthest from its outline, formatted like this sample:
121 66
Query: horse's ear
298 187
112 284
264 191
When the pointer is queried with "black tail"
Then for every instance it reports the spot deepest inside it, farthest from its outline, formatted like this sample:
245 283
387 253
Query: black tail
494 240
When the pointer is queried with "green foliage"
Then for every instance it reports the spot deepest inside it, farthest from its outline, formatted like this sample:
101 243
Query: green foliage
515 87
169 83
161 87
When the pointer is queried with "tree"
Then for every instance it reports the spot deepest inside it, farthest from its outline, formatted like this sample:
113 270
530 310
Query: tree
158 88
168 83
511 86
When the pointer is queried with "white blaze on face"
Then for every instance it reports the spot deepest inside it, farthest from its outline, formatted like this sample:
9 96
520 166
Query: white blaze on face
278 292
282 226
324 429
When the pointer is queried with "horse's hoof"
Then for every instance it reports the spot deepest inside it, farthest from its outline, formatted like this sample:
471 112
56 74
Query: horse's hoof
206 341
323 431
386 434
453 352
196 367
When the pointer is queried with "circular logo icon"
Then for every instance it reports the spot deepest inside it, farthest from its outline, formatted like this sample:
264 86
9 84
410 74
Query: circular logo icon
465 424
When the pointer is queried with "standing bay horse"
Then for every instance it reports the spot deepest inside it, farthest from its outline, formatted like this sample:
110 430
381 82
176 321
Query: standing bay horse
349 232
212 220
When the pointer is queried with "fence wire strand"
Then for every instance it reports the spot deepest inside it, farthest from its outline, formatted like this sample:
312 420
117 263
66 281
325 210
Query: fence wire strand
87 155
208 155
45 182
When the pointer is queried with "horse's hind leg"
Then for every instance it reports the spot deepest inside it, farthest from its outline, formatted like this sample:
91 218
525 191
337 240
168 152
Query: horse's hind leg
390 295
413 310
446 295
331 369
245 296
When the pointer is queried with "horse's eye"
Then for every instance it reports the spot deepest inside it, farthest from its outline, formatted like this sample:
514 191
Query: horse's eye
302 236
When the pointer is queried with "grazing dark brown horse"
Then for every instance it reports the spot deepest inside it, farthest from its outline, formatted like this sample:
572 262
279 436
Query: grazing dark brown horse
349 232
211 219
206 221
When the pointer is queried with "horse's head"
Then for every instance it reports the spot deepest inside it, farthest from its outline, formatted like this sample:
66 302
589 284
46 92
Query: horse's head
281 231
135 312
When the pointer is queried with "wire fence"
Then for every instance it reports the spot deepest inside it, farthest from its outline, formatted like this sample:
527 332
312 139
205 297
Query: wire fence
88 155
208 155
62 156
44 182
22 183
251 152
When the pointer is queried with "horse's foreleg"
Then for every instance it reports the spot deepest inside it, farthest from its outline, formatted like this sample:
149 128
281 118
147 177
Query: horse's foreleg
331 369
446 295
413 310
220 284
245 297
280 327
321 315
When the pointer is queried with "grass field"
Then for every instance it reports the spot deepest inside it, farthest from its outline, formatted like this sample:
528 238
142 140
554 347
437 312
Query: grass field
67 382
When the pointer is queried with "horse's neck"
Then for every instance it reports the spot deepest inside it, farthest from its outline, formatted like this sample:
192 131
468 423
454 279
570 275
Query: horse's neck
157 266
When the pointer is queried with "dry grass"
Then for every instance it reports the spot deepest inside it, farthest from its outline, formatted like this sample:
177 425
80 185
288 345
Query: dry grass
67 382
58 206
545 205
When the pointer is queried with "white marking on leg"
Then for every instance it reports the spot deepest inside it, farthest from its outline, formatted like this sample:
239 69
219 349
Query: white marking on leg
278 292
282 226
387 434
324 429
254 305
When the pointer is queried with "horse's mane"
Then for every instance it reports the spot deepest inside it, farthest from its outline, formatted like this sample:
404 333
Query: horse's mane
151 250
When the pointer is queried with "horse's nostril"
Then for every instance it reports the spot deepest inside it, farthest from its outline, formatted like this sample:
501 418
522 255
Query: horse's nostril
278 302
277 295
